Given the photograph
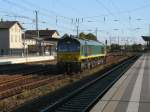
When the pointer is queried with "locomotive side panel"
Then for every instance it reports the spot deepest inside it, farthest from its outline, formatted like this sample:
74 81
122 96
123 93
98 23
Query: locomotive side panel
76 54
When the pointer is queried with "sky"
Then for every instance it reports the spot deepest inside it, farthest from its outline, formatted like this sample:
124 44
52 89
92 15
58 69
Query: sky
122 21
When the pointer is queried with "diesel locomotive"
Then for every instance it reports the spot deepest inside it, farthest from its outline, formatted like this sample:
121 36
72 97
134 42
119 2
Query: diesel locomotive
74 54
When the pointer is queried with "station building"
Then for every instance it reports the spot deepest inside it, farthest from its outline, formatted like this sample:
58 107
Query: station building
13 41
48 41
10 38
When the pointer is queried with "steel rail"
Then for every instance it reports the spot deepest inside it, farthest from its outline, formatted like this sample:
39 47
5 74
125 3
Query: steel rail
82 99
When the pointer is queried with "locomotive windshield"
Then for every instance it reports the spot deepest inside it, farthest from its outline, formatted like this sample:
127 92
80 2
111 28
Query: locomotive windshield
68 46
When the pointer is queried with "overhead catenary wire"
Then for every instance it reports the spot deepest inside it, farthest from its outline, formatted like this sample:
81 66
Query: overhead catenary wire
48 11
68 23
23 7
120 12
44 12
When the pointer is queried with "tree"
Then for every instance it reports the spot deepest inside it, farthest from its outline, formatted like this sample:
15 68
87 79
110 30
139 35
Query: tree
89 36
137 47
82 35
115 47
65 35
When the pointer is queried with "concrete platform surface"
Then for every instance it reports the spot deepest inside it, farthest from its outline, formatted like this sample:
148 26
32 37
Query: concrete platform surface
15 60
131 93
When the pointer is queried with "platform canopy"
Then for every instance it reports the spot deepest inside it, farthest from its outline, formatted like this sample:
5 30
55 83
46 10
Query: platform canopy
146 38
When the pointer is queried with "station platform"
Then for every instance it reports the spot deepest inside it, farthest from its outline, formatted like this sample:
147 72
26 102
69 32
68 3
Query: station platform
17 60
131 93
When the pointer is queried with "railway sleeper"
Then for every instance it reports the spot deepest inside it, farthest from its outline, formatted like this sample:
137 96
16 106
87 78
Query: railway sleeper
78 107
68 110
81 98
75 104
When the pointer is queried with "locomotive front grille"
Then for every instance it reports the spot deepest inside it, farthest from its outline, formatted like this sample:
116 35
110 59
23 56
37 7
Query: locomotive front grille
68 57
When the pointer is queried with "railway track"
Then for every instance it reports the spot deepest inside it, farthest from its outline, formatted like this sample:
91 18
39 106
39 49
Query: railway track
39 103
11 91
17 86
20 68
25 78
82 99
27 74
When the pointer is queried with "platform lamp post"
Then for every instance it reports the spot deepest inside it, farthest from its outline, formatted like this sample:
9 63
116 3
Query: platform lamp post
138 29
25 47
96 29
118 42
42 46
24 36
123 48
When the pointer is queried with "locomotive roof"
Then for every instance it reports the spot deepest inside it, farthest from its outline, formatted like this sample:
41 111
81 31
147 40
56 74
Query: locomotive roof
89 42
83 41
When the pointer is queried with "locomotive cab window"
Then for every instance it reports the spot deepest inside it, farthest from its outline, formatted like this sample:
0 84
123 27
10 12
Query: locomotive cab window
68 46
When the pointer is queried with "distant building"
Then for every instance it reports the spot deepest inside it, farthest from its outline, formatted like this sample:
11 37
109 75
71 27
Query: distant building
11 38
47 38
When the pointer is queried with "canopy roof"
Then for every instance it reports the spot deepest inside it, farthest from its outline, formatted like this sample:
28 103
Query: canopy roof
146 38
